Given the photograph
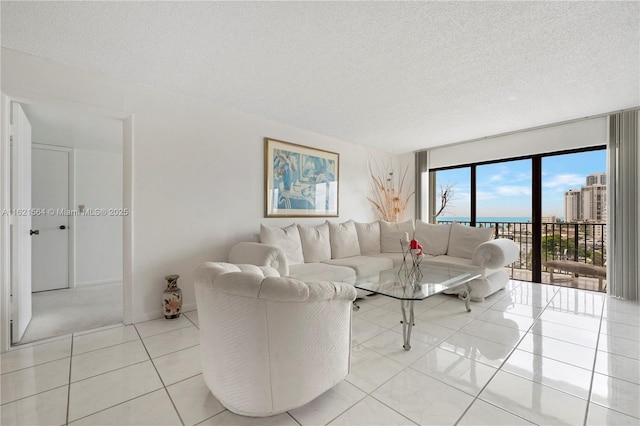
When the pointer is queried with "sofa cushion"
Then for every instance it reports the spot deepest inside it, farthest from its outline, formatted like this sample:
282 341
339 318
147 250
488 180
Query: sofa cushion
396 258
315 242
463 240
344 240
462 263
391 233
368 237
322 272
287 239
434 239
365 266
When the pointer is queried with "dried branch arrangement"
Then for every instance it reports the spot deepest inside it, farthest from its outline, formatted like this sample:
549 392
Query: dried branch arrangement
446 196
390 191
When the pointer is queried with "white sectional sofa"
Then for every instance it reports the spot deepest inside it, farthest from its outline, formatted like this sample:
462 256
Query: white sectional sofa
351 250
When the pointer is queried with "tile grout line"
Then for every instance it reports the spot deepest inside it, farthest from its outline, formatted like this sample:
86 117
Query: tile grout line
110 371
393 409
162 332
294 419
370 394
33 366
69 384
18 346
350 406
32 395
113 406
398 373
546 308
503 363
378 387
120 368
106 347
190 320
593 368
176 351
173 404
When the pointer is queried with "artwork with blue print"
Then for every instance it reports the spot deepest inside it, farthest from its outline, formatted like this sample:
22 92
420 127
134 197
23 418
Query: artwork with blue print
303 181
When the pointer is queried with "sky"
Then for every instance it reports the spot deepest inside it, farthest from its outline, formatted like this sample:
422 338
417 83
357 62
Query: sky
504 189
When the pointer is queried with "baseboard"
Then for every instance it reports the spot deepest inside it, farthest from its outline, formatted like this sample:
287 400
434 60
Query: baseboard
99 282
159 314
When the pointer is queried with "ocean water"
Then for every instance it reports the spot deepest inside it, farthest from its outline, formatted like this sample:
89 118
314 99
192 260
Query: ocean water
515 219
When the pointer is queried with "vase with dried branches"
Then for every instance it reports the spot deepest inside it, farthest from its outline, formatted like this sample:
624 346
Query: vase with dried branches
390 191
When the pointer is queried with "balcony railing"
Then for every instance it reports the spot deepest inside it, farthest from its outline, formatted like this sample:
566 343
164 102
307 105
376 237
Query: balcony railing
579 242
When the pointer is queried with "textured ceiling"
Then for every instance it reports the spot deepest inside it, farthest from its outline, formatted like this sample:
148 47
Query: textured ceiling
399 76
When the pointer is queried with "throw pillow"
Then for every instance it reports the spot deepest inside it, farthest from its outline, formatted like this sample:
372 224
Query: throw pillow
434 239
463 240
287 239
368 237
344 240
315 243
391 233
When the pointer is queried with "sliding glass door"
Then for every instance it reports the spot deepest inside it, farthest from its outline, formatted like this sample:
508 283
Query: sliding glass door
574 219
552 205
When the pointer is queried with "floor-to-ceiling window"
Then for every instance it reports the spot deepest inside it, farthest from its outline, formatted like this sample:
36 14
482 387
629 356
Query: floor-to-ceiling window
452 189
552 205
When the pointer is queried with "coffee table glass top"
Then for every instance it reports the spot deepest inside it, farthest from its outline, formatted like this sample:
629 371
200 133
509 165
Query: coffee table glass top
434 280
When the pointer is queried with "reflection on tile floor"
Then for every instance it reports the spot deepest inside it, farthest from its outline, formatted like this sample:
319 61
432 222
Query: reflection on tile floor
530 354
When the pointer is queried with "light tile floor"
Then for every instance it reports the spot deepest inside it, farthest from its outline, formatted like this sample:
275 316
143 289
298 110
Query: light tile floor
530 354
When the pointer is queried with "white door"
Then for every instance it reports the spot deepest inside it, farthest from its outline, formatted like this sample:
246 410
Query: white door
21 224
50 194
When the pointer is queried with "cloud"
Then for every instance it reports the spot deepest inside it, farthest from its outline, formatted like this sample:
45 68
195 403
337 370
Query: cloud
485 195
564 181
513 191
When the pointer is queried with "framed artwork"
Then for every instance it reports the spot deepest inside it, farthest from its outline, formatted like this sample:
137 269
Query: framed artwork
300 181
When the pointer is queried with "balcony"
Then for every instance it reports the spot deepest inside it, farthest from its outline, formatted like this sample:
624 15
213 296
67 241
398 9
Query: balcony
573 242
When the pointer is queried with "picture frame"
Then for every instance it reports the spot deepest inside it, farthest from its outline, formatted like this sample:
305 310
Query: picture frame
300 181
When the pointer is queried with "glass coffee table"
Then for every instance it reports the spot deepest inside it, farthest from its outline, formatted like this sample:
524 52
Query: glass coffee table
433 280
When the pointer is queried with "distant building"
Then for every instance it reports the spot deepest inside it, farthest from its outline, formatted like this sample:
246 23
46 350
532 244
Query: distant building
589 203
594 203
597 179
572 205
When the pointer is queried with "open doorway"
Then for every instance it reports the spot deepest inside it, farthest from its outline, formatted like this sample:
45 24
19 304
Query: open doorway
77 241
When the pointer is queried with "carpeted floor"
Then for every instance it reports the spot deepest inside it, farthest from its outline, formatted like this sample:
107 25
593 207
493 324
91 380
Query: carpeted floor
59 312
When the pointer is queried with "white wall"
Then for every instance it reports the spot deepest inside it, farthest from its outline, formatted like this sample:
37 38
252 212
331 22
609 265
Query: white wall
98 245
580 134
197 171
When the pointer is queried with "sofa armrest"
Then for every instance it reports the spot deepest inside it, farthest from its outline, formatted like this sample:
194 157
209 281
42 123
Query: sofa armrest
260 255
496 253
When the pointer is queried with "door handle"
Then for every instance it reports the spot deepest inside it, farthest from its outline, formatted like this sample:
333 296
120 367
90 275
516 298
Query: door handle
34 232
63 227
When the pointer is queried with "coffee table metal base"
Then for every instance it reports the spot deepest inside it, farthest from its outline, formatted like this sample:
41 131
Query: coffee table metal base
408 315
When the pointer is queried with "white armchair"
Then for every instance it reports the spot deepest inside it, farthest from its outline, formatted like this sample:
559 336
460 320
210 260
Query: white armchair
270 344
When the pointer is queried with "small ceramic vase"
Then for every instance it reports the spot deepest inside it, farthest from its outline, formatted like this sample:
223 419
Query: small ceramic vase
172 298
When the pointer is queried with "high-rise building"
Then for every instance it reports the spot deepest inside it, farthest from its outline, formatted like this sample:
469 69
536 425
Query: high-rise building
594 199
597 179
572 211
588 203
